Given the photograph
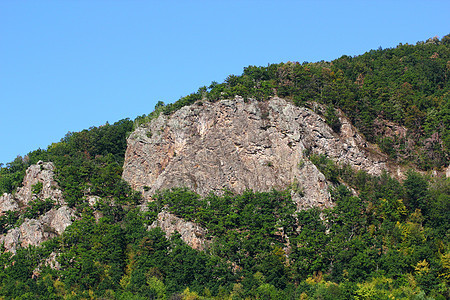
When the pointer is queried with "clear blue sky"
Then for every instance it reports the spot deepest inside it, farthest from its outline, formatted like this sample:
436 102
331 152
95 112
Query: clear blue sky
69 65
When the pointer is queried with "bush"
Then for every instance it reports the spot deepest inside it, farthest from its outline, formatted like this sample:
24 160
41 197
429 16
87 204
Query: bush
38 207
37 188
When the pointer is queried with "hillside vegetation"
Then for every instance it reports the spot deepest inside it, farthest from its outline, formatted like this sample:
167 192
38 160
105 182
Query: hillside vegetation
389 240
406 87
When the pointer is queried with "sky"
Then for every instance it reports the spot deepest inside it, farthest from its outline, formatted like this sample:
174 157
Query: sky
70 65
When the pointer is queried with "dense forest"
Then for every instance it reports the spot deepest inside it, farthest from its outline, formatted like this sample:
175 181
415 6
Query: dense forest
388 239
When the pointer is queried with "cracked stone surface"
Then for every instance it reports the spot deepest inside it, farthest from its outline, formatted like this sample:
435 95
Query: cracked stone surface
238 145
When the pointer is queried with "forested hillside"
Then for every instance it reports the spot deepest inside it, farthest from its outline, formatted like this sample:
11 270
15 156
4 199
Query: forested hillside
384 238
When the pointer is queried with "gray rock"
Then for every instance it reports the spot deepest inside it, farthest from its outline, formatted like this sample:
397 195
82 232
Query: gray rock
238 145
40 172
7 202
191 233
32 232
58 220
35 231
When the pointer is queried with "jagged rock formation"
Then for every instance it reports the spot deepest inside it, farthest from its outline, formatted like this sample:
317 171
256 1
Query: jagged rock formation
40 172
191 233
7 202
35 231
52 223
239 145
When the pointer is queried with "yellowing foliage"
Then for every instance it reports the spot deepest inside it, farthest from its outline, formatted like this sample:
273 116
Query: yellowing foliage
445 262
422 267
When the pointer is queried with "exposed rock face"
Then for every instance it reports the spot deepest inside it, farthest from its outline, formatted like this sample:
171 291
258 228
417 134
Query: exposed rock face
191 233
40 172
7 202
240 145
35 231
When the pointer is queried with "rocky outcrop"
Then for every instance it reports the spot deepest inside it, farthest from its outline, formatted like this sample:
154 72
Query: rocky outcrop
239 145
7 202
32 232
191 233
35 231
42 173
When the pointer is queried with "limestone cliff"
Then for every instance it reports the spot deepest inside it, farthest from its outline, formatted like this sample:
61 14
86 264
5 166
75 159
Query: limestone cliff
239 145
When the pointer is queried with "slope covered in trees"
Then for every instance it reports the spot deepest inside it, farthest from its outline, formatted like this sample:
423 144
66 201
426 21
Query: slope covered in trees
383 243
388 240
